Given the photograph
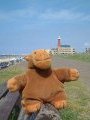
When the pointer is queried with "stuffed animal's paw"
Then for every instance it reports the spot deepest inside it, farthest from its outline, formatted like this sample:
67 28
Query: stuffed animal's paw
31 106
60 104
12 85
74 74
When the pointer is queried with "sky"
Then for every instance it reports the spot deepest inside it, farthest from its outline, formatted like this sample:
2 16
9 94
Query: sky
27 25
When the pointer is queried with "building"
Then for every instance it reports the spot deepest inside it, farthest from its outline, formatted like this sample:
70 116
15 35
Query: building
53 51
62 49
87 50
66 49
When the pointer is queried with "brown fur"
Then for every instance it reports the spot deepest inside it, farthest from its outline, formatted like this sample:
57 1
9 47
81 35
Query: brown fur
41 84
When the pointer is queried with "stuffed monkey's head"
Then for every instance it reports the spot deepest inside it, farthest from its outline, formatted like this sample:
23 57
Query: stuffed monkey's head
40 59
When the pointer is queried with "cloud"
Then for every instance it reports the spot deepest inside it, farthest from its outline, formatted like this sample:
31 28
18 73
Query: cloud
18 14
86 44
64 14
49 14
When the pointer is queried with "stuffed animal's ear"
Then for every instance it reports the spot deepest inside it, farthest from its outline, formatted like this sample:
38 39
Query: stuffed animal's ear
28 57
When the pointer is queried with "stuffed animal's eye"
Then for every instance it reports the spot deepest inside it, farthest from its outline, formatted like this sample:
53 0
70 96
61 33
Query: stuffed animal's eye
34 52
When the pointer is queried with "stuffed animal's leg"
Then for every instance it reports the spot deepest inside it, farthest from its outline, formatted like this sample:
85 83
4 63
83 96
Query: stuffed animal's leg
59 100
31 105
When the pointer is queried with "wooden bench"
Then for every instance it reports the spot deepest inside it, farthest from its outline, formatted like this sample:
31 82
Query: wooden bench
10 108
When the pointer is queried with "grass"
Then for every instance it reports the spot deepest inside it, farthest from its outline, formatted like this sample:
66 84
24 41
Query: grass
9 72
78 102
80 57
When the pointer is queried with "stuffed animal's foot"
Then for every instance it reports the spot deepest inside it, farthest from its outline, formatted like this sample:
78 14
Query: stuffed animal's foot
60 104
31 105
74 74
12 85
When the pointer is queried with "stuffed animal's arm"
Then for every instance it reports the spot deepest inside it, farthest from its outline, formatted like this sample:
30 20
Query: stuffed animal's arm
17 83
67 74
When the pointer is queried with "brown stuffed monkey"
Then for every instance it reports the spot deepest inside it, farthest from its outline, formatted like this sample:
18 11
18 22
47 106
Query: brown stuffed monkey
40 83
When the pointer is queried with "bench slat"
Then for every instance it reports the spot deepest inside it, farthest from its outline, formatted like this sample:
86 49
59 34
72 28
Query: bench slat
7 103
23 116
3 89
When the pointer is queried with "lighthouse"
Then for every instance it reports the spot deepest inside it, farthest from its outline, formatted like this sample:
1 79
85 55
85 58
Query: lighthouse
59 42
62 49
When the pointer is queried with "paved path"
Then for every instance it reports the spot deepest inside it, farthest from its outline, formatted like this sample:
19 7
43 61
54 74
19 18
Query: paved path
83 67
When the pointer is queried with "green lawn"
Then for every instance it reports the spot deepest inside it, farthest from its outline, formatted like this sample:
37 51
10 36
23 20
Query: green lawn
81 57
7 73
78 102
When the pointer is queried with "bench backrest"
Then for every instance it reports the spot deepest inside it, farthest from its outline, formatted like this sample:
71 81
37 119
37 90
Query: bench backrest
7 101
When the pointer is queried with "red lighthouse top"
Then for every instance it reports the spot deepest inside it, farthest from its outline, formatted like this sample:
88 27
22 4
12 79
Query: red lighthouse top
59 42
